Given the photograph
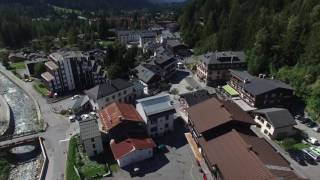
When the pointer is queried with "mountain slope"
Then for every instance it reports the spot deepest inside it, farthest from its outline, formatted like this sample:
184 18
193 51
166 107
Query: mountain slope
281 37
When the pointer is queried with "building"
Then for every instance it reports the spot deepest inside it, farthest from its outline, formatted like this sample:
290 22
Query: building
175 46
122 121
149 76
132 150
214 66
192 98
117 90
147 37
167 63
275 123
229 148
81 105
260 92
158 114
72 71
90 135
141 37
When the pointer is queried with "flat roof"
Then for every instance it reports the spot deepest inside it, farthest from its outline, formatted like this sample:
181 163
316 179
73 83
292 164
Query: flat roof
230 90
243 105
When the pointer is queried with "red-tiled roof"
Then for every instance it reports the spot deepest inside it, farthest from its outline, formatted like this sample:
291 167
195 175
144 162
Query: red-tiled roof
212 113
116 113
123 148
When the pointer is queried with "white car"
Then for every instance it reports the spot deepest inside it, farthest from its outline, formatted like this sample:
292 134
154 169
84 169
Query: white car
75 97
316 129
72 118
313 140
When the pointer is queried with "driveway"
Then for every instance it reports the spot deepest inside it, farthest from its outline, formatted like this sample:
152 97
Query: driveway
178 163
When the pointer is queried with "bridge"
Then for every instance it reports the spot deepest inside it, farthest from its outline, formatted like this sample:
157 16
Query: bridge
11 141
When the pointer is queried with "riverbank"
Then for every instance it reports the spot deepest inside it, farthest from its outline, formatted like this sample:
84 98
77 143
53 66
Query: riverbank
19 83
5 116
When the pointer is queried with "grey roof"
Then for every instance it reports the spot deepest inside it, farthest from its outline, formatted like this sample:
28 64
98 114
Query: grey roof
156 104
243 75
193 98
258 86
163 59
278 117
174 42
148 34
107 88
223 57
146 72
82 100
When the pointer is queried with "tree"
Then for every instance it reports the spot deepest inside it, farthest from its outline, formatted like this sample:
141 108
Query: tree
39 68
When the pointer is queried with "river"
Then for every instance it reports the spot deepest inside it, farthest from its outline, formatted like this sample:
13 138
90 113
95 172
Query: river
25 120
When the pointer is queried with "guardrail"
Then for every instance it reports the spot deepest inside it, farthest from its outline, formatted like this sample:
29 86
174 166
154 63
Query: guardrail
15 136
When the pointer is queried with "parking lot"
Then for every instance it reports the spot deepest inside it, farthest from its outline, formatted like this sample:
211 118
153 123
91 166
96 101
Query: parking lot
178 163
310 170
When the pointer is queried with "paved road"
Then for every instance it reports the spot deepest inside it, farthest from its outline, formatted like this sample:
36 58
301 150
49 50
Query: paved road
56 131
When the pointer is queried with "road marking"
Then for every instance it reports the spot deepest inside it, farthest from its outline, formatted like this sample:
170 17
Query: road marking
64 140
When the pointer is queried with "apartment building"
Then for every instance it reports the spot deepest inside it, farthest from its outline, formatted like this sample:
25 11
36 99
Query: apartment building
214 66
72 70
261 92
147 37
117 90
158 114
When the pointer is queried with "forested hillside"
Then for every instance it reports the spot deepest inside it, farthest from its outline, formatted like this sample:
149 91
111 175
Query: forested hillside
280 37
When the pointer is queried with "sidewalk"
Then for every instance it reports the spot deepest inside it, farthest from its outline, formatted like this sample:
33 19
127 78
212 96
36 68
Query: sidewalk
198 156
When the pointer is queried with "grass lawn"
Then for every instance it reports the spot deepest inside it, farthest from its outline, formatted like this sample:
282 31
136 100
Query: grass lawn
87 168
105 44
71 173
41 88
292 144
19 65
4 169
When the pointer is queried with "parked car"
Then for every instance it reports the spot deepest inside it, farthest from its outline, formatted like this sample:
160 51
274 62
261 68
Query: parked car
304 120
72 118
311 124
316 129
297 156
313 140
314 155
309 159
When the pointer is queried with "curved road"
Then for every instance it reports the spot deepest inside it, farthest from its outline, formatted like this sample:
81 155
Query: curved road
55 134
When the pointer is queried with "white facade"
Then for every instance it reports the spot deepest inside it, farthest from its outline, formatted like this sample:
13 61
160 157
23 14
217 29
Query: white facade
134 156
269 131
90 136
158 114
125 95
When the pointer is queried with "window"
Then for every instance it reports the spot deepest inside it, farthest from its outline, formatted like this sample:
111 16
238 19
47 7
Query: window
107 99
153 121
119 94
268 126
93 146
154 129
166 125
92 139
125 92
266 132
167 117
113 97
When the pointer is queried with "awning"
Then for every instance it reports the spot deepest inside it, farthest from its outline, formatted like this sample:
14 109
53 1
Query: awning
230 90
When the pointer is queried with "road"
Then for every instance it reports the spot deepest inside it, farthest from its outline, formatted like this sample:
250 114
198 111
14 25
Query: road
56 131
